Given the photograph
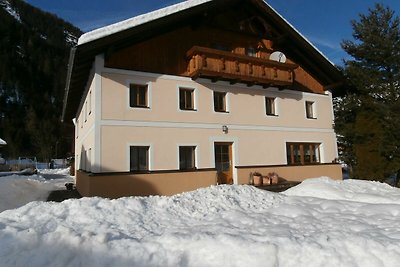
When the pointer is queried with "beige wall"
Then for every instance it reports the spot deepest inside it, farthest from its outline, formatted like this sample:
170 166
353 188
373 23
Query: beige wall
114 186
246 105
85 128
250 147
258 139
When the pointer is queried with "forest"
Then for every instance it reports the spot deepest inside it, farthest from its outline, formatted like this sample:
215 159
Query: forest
34 52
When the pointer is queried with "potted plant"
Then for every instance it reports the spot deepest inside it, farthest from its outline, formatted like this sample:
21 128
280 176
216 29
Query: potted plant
274 177
257 178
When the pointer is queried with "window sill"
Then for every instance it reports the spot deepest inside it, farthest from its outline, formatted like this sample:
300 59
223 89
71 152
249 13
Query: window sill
188 109
311 118
139 107
221 111
272 115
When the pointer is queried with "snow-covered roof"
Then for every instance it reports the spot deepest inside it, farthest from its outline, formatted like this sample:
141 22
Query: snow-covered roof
138 20
160 13
2 142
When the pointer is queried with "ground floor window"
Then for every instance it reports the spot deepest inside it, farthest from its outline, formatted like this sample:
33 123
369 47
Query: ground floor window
139 158
187 157
303 153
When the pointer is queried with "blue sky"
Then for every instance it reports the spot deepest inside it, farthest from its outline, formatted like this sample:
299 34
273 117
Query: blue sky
324 22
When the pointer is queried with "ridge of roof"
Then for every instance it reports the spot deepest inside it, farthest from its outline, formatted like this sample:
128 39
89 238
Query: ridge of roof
138 20
159 13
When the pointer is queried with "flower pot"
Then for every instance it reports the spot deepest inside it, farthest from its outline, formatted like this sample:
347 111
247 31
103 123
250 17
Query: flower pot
266 180
257 180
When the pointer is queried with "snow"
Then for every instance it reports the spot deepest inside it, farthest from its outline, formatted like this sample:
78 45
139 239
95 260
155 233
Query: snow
7 7
157 14
2 142
138 20
18 190
70 38
321 222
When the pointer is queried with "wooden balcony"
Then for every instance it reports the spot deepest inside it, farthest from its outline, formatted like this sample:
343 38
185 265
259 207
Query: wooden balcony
221 65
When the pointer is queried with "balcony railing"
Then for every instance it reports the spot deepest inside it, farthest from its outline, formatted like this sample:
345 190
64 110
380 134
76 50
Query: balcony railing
221 65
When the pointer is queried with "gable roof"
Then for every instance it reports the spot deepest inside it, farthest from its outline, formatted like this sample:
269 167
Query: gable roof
144 26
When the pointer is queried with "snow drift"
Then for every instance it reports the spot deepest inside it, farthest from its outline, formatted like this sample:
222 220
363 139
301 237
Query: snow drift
216 226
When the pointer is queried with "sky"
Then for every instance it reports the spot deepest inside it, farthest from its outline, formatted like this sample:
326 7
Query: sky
325 23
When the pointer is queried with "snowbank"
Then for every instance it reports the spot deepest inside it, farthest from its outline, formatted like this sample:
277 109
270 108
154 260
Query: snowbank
216 226
18 190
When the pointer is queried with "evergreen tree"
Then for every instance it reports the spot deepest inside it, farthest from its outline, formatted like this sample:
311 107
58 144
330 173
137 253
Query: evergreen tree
368 117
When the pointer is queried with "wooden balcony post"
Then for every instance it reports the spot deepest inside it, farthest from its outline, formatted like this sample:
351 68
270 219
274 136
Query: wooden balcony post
223 63
204 60
237 68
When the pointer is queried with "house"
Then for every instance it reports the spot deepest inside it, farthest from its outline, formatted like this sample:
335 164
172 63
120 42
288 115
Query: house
195 94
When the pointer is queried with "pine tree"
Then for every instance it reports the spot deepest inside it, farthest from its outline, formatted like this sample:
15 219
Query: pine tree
368 117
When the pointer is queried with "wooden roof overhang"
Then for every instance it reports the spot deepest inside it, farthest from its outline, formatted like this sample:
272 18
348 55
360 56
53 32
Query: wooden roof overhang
296 46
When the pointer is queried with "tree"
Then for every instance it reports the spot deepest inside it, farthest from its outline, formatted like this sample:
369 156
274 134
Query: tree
368 115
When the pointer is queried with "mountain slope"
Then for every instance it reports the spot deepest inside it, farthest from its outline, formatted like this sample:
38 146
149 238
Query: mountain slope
34 51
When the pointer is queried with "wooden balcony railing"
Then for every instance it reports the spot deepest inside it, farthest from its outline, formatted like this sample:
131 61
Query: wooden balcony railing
221 65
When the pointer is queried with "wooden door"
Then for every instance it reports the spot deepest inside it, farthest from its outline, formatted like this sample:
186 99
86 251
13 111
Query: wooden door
223 162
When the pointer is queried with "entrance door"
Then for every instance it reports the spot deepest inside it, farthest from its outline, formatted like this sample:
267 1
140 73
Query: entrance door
223 162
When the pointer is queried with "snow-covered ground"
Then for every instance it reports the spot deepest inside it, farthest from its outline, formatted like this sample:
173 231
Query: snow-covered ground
318 223
18 190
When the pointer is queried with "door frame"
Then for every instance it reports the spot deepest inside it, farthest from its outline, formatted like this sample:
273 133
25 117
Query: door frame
234 141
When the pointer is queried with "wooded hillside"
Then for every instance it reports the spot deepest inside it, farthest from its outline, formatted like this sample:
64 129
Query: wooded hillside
34 51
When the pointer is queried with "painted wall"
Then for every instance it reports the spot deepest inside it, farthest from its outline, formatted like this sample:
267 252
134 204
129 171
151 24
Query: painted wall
257 139
142 184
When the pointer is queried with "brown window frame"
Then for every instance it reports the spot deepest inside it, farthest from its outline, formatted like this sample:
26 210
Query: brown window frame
219 101
186 98
187 157
310 110
270 106
136 165
138 95
297 153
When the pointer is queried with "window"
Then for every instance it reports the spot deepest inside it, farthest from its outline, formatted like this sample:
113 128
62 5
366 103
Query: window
310 110
270 106
90 102
139 158
77 128
138 96
220 101
186 100
251 51
302 153
186 157
86 112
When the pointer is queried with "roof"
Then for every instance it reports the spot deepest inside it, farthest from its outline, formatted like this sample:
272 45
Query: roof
2 142
147 25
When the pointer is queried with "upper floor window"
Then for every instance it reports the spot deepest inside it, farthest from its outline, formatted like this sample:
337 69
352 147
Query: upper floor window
139 158
270 106
310 112
302 153
90 102
138 96
187 157
251 51
220 102
186 98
